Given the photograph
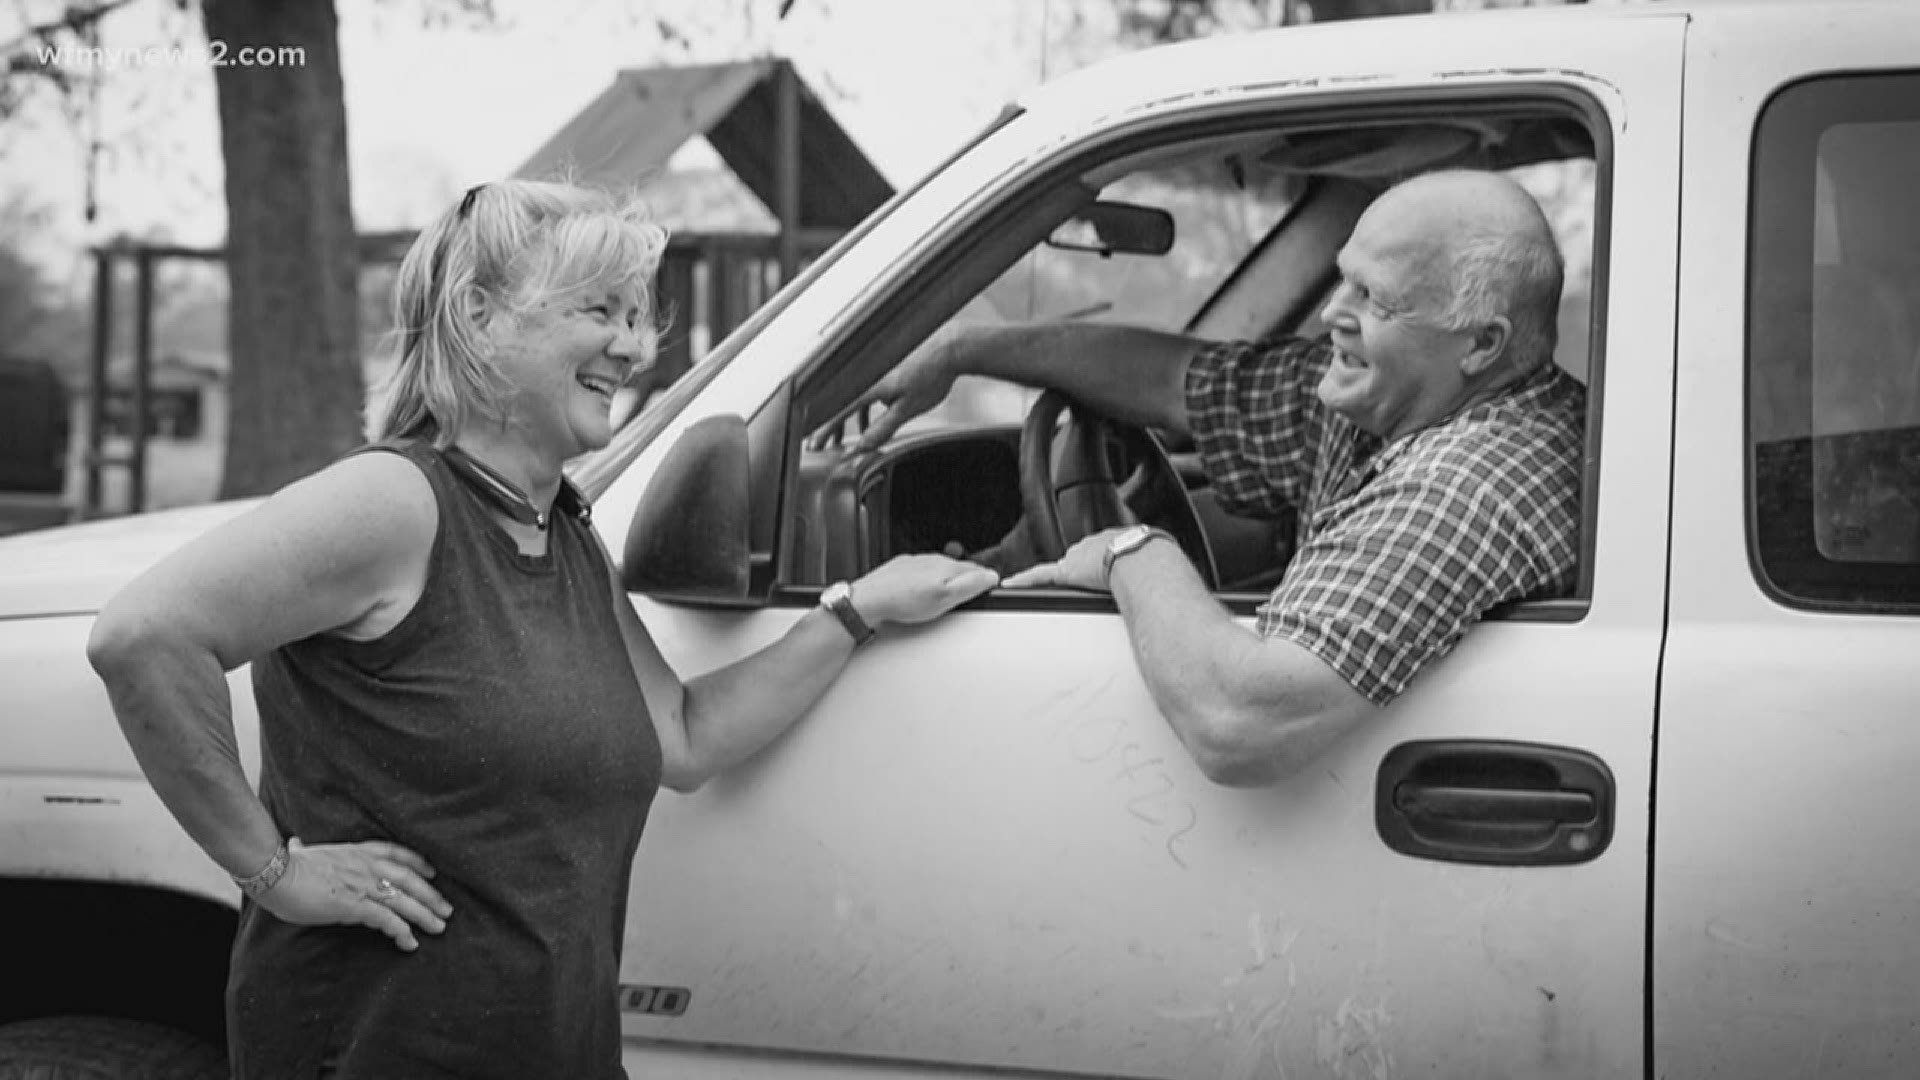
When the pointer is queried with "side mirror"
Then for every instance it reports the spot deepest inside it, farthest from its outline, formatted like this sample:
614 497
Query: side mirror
688 539
1116 227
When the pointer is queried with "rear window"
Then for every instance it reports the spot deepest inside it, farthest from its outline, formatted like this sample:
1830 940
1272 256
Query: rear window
1833 344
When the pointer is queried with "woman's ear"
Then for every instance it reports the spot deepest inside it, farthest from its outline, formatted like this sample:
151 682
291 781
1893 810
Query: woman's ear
478 307
1490 342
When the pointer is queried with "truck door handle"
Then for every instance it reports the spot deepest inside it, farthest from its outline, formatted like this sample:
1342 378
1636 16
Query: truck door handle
1497 803
1493 805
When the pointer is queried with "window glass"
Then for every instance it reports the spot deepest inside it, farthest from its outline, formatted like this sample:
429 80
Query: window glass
1257 217
1834 343
1565 191
1220 210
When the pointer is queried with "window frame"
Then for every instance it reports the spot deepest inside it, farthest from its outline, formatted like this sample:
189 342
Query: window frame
1781 211
917 289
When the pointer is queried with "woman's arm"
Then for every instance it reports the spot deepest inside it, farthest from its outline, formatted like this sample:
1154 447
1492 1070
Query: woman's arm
723 717
344 550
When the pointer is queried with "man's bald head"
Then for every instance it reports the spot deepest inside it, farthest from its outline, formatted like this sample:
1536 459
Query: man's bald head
1486 249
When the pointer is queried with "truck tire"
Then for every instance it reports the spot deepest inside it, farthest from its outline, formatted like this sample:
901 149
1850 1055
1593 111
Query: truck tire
105 1048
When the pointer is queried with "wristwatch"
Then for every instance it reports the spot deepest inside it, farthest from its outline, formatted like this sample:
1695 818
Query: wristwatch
838 598
1126 542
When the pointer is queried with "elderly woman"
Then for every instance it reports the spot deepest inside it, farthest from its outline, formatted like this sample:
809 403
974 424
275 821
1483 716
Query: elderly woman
463 721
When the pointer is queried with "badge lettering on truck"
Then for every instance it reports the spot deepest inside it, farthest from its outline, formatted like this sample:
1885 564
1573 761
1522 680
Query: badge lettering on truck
654 1000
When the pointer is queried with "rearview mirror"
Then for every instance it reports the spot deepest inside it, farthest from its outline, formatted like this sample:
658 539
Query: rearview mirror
1110 228
688 538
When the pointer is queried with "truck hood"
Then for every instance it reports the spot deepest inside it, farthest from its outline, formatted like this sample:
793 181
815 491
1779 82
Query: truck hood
75 568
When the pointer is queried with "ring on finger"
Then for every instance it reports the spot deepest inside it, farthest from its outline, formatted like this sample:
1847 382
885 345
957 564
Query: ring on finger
386 890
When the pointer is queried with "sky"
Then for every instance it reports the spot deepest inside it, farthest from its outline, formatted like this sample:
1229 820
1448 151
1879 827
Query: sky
436 105
432 109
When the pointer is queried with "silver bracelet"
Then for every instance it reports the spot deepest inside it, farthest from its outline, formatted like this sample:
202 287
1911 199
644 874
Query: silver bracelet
256 886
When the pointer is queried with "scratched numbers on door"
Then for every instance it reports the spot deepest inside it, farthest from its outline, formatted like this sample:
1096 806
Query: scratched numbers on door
1096 736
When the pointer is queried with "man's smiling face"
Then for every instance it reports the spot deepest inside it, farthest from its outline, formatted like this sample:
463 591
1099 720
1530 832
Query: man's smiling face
1396 365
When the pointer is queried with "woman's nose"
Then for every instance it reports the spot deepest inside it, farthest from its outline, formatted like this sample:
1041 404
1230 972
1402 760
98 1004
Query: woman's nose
633 344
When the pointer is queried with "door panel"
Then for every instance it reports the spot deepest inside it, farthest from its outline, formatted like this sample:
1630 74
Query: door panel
1022 868
985 849
1786 936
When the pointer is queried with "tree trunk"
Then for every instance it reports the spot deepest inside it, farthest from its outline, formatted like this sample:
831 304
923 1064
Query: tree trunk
295 388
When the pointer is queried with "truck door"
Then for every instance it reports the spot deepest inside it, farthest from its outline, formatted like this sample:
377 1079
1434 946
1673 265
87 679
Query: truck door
1785 936
984 853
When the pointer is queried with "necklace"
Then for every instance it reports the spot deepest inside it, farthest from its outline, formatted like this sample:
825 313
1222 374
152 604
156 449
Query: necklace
504 494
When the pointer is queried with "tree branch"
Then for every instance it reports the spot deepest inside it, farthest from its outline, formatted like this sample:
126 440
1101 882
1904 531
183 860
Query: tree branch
25 55
76 19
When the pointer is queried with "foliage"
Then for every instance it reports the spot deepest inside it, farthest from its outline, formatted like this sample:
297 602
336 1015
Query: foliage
27 70
38 322
295 331
1150 21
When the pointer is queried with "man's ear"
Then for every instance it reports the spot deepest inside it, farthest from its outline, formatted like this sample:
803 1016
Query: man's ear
1490 342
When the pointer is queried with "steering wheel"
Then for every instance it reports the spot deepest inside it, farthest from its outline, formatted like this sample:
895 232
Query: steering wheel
1082 496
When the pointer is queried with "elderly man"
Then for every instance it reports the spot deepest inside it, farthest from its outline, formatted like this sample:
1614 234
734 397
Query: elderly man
1429 443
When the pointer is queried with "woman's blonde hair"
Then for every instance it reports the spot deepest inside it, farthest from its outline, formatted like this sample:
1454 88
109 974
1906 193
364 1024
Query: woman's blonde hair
512 246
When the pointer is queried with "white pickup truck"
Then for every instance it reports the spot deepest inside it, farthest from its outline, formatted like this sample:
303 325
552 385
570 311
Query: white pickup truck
1665 827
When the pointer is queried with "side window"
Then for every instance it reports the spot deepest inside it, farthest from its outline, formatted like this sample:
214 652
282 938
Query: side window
1833 340
1219 211
1253 214
1565 190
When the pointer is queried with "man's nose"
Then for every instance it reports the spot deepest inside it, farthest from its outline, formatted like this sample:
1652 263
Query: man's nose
1338 310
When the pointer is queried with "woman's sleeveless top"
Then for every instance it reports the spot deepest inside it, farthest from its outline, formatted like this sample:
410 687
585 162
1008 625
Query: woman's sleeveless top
499 732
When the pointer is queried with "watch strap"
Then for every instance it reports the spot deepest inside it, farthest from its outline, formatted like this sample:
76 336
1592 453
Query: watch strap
839 599
1115 554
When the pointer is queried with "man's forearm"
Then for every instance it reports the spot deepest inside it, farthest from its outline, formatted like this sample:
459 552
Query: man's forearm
1130 373
1185 643
1250 710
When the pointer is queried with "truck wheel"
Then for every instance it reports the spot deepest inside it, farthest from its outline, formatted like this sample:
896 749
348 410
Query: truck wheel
105 1048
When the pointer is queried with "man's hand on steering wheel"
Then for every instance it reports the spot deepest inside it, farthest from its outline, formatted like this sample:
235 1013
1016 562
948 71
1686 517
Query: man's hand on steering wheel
922 381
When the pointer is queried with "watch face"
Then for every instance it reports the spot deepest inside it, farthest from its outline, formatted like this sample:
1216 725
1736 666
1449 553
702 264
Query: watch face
1128 539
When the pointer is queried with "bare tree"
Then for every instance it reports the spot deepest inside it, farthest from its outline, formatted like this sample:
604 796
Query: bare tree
292 258
296 388
292 261
292 252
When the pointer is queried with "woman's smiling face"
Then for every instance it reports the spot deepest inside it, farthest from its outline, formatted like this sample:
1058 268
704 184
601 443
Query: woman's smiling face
563 358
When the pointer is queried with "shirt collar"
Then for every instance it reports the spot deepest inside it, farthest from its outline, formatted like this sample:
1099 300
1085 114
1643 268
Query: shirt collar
1532 388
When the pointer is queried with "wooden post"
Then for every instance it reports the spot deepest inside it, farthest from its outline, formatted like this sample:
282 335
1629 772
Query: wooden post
142 383
678 308
97 378
787 165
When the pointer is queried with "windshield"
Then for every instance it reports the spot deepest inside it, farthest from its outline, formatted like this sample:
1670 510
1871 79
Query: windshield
1220 211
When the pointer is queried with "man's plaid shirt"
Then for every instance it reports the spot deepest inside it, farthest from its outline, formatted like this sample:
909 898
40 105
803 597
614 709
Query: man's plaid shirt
1400 548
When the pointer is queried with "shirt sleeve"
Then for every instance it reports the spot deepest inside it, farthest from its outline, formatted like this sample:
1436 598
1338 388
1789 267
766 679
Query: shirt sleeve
1257 420
1397 578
